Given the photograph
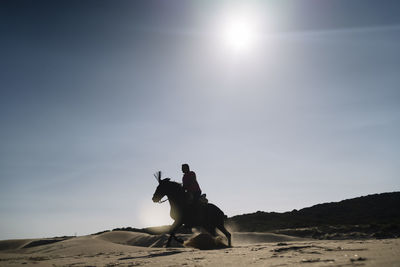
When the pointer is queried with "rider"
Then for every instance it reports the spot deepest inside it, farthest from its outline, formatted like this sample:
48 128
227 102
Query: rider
190 184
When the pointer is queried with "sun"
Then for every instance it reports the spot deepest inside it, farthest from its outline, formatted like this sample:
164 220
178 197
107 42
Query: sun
239 34
240 29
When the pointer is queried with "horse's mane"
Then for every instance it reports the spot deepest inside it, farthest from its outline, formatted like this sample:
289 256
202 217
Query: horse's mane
175 185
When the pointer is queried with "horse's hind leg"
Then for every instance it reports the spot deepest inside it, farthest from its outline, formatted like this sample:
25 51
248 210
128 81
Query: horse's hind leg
226 233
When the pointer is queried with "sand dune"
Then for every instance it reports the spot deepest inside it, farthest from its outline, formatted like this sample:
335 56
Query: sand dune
136 239
146 240
14 244
140 249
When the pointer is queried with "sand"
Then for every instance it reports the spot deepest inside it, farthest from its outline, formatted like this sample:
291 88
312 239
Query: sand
139 249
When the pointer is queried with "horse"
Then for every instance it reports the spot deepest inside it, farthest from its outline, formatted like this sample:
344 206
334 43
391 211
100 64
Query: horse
207 216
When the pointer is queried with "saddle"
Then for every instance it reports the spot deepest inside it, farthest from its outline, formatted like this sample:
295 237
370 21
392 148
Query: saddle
190 201
203 199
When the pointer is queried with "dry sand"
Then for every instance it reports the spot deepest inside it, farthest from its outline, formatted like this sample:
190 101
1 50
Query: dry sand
139 249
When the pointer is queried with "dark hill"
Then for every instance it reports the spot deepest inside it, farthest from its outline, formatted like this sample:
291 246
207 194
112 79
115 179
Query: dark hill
375 215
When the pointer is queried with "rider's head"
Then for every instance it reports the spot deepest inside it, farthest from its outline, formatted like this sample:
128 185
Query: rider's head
185 168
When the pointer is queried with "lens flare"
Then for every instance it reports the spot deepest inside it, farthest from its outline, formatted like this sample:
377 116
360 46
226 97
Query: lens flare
153 214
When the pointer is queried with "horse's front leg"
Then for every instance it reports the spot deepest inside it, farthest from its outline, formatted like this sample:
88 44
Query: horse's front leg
177 239
174 227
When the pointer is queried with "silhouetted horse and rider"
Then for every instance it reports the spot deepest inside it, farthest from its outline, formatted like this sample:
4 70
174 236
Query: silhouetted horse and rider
186 207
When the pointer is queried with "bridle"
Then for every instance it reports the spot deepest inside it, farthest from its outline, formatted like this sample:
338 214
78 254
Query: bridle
162 201
157 175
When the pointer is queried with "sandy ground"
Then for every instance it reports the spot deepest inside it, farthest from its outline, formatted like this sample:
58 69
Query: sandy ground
256 249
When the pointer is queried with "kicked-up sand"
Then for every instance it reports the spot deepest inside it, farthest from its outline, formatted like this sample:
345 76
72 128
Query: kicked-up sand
120 248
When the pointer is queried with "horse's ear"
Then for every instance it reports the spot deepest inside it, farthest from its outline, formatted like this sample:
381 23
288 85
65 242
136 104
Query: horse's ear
158 176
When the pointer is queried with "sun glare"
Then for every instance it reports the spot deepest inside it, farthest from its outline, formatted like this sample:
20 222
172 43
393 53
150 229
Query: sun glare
240 34
240 29
152 214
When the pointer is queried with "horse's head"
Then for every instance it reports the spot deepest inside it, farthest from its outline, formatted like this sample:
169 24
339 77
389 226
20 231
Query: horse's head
162 188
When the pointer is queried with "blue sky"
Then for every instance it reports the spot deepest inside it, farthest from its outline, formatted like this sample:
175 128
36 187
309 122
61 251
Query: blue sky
98 95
